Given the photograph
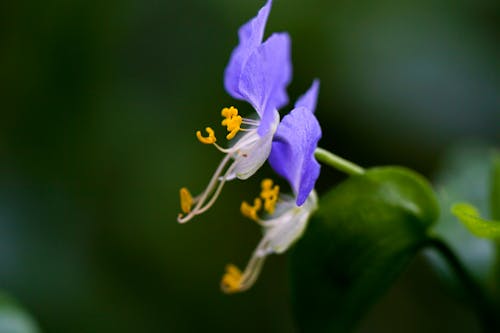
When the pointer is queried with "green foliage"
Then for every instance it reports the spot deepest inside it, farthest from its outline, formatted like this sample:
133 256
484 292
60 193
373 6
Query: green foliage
13 319
480 227
365 233
464 176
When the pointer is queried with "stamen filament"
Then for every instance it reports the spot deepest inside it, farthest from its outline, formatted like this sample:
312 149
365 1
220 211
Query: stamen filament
247 121
235 281
208 190
222 150
217 192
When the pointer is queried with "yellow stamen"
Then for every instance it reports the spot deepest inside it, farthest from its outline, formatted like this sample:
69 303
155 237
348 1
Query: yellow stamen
270 195
231 281
251 211
232 122
229 112
186 200
210 139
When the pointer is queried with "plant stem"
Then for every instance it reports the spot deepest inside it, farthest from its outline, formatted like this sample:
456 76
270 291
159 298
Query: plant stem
484 307
337 162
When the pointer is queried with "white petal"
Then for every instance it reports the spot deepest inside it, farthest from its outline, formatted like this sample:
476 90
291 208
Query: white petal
252 155
290 226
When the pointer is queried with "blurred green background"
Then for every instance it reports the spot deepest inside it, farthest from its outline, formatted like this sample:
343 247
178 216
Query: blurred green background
99 104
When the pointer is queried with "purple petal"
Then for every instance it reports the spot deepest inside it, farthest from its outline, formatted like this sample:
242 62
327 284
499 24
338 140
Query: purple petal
250 36
309 99
265 76
292 153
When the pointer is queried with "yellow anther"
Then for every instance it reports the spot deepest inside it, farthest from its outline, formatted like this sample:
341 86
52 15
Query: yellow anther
270 195
210 139
232 122
251 211
233 127
266 184
229 112
186 200
231 281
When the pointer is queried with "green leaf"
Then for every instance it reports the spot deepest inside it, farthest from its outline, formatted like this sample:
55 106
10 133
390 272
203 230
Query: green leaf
464 176
363 236
13 319
480 227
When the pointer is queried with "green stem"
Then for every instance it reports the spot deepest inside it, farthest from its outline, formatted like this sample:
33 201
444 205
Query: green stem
337 162
485 308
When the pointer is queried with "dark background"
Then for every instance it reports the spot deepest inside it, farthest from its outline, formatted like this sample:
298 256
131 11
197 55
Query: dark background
99 104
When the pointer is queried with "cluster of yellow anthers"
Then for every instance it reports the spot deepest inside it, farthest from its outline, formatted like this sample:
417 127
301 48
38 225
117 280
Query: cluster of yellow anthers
232 121
269 194
234 280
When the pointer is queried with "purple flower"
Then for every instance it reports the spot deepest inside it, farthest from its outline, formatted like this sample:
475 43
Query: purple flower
258 73
285 217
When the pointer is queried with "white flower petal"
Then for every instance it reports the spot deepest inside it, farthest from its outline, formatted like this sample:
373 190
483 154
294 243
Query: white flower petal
253 153
283 231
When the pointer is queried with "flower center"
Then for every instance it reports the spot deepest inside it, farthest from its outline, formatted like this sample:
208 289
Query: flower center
232 120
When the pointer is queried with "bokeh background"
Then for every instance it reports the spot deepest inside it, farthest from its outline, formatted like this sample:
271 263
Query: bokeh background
99 104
